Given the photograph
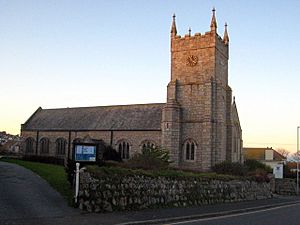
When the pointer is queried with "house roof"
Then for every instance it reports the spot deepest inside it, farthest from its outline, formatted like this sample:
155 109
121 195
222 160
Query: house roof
10 143
121 117
292 165
259 154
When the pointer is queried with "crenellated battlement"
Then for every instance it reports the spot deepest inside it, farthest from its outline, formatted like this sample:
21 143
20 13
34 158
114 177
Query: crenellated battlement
189 42
196 58
209 39
198 40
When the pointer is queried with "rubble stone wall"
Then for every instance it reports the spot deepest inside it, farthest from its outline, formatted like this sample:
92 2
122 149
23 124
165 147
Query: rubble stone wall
285 186
134 192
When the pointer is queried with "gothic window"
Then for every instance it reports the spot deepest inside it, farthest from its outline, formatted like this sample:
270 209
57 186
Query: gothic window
148 144
29 145
123 149
189 150
44 146
235 144
61 144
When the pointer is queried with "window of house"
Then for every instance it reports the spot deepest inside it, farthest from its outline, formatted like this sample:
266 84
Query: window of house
123 149
61 144
189 150
29 145
44 146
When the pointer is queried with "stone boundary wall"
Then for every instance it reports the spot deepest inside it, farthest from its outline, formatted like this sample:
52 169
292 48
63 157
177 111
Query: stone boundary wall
134 192
285 186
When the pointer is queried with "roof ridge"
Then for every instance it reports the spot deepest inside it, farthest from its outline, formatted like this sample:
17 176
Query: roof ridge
107 106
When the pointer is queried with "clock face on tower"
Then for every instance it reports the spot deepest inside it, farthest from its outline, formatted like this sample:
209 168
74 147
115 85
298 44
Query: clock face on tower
191 60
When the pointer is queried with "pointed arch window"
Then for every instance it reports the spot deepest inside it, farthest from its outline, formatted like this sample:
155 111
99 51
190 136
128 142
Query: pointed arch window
61 144
29 145
189 150
123 149
44 143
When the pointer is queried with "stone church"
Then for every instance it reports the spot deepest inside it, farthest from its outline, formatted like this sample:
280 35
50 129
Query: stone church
198 124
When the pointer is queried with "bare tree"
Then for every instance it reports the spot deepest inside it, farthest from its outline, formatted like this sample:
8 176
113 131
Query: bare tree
283 152
296 156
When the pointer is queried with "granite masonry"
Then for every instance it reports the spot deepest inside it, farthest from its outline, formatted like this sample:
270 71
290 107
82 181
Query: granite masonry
198 124
134 192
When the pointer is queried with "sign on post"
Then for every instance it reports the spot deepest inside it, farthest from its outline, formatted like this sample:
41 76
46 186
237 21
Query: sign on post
86 153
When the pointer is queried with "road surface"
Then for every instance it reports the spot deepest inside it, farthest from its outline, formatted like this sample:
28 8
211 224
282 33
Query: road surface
26 198
283 215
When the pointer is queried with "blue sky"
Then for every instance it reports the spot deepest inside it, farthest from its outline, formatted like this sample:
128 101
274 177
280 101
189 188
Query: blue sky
86 53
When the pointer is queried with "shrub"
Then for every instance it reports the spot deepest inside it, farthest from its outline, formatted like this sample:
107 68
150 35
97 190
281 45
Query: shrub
44 159
112 170
231 168
150 159
251 168
259 175
157 153
253 165
111 154
287 173
70 170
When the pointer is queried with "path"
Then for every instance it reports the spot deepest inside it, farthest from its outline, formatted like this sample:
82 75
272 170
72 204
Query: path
25 198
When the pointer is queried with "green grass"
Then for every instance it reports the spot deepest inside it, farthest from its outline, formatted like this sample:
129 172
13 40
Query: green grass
55 175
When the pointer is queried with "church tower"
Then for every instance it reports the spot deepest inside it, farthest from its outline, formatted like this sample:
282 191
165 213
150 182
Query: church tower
198 109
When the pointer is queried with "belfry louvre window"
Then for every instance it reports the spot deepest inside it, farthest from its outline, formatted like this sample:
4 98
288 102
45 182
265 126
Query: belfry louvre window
29 145
44 145
123 149
189 149
61 146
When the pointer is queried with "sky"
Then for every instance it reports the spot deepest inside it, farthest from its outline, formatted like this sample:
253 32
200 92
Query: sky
71 53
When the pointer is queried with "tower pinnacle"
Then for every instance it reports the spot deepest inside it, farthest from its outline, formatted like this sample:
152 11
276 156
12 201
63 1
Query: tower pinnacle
226 37
213 23
173 29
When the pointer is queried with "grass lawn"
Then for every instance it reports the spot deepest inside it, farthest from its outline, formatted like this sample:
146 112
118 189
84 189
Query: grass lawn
55 175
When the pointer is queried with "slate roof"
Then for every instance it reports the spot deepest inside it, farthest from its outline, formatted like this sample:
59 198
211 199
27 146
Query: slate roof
122 117
259 154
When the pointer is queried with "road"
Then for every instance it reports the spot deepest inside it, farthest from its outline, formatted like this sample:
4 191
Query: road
284 215
25 198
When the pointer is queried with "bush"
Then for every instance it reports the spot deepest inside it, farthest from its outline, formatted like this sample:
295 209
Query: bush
287 173
231 168
253 165
111 154
251 168
70 170
44 159
111 170
150 159
261 175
